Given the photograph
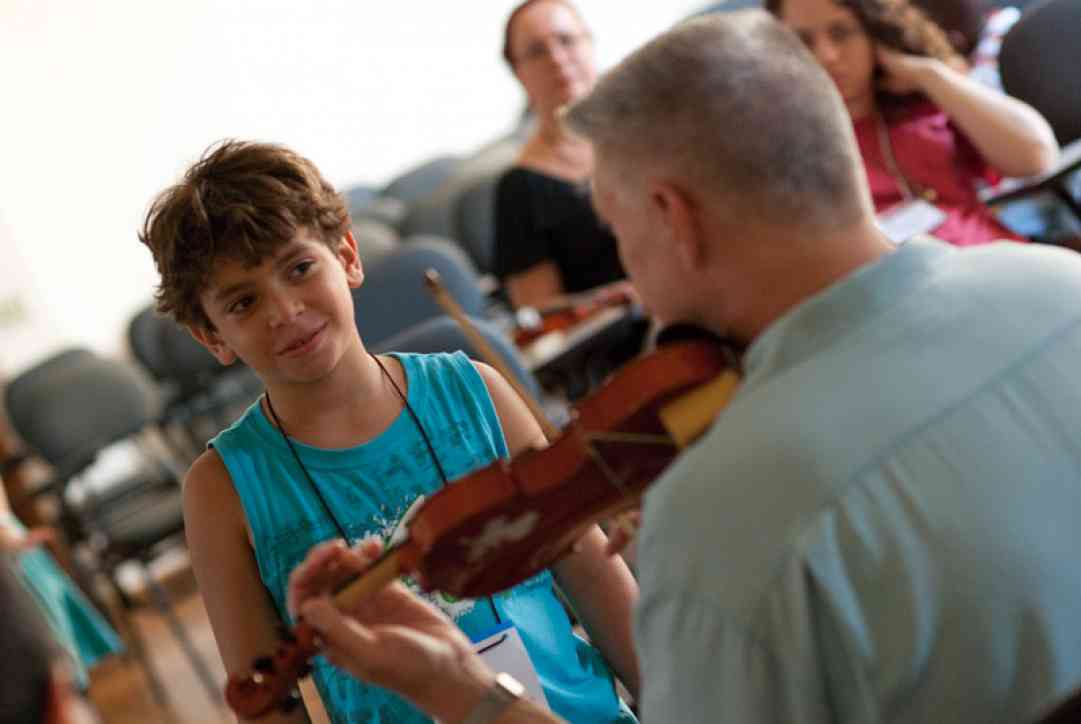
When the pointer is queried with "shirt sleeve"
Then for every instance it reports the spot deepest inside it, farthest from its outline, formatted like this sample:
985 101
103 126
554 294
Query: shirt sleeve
520 242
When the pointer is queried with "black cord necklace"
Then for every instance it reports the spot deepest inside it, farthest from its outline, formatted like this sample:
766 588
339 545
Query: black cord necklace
319 493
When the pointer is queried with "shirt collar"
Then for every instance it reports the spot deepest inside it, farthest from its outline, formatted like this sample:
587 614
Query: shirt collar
822 320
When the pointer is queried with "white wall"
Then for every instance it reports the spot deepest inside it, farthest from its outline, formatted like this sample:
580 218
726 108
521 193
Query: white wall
105 102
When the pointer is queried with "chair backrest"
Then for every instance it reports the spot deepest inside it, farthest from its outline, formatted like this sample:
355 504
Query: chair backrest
476 221
442 334
393 296
358 197
170 354
422 180
1039 63
75 403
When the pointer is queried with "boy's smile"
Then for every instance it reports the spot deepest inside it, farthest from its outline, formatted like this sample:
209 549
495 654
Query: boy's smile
289 317
303 343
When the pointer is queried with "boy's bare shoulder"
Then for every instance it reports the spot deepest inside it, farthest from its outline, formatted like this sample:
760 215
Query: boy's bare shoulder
208 488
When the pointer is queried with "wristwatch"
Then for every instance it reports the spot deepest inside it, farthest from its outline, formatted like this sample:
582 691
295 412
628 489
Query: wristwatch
500 696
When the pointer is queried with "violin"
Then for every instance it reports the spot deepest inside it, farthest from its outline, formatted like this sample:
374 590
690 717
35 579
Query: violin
506 522
534 324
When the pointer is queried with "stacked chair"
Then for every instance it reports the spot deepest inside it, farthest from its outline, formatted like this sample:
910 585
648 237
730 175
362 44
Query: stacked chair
200 396
1039 61
73 409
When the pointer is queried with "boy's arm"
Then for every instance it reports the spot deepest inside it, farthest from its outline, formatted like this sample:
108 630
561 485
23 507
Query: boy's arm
603 593
600 587
241 614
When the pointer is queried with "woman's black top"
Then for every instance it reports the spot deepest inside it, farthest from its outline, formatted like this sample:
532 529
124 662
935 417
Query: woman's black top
541 218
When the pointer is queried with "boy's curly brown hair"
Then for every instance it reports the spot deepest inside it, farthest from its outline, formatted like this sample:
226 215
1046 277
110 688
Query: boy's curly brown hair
242 200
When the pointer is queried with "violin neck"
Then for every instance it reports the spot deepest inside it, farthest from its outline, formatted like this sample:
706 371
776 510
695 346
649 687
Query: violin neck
385 570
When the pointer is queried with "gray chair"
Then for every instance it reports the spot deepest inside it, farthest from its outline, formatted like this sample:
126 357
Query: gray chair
393 296
70 408
422 180
1039 63
433 215
476 221
1068 711
200 397
443 334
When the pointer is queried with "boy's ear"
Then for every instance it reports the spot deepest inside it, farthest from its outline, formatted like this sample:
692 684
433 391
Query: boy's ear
210 339
350 258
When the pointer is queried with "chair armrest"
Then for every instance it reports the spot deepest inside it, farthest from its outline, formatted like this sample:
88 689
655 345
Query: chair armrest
1015 188
55 483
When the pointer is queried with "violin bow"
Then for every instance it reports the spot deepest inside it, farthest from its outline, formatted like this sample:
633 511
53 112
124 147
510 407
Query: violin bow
450 306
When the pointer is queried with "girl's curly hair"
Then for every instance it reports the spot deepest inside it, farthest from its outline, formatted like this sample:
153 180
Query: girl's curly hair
899 25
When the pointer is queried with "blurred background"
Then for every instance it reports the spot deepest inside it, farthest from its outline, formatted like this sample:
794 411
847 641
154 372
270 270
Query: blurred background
106 103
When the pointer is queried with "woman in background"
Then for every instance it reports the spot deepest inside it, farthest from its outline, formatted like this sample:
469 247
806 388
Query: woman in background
549 242
929 135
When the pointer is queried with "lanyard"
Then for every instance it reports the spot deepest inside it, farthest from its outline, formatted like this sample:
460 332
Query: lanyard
885 147
319 493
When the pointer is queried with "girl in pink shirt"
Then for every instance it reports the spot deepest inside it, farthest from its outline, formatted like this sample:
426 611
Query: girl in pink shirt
927 132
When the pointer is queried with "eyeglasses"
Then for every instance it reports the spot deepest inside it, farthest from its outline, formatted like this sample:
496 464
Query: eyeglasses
547 47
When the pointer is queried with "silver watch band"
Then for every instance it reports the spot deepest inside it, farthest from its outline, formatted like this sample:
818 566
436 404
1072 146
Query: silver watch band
502 694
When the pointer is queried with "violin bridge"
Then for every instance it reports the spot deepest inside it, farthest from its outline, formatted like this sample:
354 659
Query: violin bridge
688 416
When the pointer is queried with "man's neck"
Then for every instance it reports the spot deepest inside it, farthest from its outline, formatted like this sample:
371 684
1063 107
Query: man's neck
773 284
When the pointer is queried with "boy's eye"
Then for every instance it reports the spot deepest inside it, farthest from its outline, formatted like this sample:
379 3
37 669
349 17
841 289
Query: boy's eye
240 305
302 268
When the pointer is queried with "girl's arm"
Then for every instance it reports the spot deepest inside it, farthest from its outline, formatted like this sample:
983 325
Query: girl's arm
241 613
1011 135
600 587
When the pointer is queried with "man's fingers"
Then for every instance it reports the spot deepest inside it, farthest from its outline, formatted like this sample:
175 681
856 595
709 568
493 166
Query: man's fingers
315 574
347 642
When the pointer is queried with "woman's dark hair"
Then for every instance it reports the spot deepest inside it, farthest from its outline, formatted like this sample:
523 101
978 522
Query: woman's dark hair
508 28
896 24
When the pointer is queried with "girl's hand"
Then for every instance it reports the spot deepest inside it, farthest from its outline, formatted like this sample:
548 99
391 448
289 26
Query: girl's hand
903 73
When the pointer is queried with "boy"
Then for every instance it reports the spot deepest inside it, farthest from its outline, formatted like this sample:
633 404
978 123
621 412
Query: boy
256 258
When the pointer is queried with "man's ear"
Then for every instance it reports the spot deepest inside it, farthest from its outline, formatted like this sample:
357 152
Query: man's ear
350 258
679 214
210 339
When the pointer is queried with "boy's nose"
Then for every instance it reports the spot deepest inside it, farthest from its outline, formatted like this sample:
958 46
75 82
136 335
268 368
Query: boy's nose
283 308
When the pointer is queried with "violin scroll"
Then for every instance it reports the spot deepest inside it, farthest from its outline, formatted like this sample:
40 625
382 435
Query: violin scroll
272 682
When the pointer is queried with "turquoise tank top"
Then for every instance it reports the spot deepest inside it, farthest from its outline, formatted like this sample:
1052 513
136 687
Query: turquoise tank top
369 487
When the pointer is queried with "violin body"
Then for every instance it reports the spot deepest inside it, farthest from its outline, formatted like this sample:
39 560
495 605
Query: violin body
506 522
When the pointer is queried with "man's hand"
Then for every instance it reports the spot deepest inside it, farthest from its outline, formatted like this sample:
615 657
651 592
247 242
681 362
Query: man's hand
393 638
623 530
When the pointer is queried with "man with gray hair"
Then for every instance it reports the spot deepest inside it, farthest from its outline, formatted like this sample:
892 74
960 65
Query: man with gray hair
881 526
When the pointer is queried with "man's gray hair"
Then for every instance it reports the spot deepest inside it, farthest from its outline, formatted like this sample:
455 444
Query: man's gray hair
736 102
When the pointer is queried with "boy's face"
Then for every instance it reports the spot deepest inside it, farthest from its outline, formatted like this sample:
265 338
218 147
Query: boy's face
291 317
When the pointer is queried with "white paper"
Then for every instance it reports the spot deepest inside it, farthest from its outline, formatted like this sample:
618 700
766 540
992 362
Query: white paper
503 651
909 219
